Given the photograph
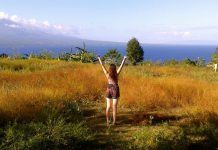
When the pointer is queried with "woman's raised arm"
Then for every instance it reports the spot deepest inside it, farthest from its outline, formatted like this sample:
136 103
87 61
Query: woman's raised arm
103 68
121 66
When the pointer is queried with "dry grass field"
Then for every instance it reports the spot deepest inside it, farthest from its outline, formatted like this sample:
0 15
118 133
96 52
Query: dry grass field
27 86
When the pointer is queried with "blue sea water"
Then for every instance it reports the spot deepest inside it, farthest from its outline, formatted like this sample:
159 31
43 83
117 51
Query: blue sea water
166 52
152 52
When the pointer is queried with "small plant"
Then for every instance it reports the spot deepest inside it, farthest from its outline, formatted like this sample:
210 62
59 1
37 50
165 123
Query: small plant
151 119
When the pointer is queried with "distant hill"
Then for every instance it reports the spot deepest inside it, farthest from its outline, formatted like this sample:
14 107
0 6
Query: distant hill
15 36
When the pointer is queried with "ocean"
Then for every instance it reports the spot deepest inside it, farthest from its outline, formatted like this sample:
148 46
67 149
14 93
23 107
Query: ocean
166 52
152 52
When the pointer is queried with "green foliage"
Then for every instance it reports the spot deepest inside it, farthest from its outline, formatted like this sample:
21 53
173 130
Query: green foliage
188 61
207 130
112 56
45 54
134 51
159 138
31 65
171 62
214 58
3 55
205 125
201 62
68 57
82 55
59 127
85 56
54 134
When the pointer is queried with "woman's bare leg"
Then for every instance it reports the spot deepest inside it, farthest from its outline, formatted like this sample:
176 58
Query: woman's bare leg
115 101
108 110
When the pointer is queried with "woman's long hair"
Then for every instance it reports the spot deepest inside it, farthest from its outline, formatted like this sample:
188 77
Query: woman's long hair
113 73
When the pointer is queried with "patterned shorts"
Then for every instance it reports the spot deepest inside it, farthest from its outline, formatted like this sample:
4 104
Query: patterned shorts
113 91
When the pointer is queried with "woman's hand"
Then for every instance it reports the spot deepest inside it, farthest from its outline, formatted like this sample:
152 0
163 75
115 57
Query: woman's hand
104 69
121 66
99 58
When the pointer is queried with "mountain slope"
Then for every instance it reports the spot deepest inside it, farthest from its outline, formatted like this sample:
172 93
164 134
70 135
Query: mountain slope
16 36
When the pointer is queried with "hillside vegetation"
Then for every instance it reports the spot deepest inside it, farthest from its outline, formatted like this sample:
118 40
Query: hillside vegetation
29 87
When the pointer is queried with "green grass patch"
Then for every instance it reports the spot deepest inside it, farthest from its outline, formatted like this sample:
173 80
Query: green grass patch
159 138
58 127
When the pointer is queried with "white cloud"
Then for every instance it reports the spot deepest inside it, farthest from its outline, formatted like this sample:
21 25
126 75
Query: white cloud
3 15
15 18
32 21
58 27
176 33
39 25
46 23
12 25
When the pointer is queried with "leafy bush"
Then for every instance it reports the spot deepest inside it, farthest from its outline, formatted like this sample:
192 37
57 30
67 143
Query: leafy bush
87 57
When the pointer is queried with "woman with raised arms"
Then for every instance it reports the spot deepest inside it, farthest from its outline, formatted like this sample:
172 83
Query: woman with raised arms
112 92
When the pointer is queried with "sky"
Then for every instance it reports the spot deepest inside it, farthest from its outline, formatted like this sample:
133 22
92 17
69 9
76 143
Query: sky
150 21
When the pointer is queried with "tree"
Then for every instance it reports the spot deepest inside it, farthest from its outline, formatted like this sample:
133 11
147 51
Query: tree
134 51
112 56
214 58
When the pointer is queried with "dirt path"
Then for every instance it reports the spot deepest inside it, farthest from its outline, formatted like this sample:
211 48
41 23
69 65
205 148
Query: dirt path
112 137
117 137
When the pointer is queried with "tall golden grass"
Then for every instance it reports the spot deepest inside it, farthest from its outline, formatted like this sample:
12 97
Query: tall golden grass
24 91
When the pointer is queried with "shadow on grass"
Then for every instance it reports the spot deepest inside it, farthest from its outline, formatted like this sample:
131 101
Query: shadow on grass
202 131
144 118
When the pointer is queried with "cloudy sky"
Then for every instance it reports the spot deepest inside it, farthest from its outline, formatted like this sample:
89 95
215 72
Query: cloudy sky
151 21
